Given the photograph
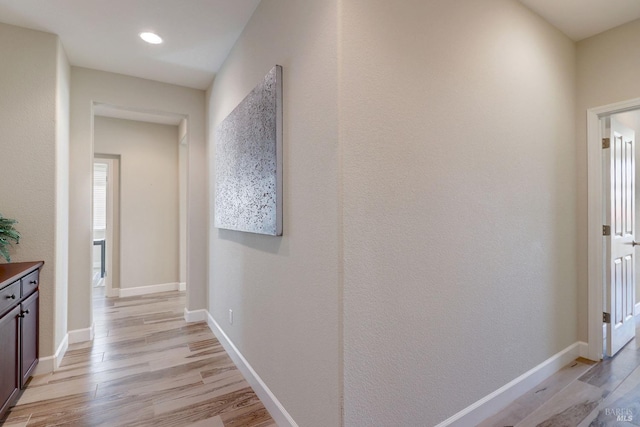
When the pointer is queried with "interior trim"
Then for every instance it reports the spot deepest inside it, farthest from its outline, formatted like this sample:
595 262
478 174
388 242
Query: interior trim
275 408
505 395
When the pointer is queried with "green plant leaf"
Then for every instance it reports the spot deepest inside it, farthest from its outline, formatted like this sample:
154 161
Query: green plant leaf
8 234
5 253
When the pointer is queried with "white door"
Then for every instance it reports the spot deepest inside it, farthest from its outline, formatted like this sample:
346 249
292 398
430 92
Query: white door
620 273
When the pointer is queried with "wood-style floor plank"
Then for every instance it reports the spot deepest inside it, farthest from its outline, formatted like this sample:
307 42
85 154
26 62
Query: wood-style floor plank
625 399
537 396
146 367
605 394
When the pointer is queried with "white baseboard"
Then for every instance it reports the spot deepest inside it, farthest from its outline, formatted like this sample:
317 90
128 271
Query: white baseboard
195 316
182 286
151 289
583 350
275 408
112 292
82 335
499 399
48 364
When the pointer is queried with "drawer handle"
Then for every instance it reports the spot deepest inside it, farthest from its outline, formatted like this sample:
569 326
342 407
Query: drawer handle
23 313
11 296
33 282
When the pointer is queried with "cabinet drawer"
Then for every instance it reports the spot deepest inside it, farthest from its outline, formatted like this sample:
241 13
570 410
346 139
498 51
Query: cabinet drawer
9 296
30 283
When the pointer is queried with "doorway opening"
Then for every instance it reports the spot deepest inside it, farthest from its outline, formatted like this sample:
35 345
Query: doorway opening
106 224
100 171
144 240
612 219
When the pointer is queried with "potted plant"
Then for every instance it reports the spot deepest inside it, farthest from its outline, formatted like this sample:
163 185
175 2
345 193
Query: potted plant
8 234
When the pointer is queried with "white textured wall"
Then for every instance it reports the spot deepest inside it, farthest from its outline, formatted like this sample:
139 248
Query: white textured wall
284 291
28 175
608 67
89 86
63 83
457 128
149 220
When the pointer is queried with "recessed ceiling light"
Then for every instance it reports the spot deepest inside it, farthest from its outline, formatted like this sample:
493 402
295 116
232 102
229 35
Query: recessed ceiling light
152 38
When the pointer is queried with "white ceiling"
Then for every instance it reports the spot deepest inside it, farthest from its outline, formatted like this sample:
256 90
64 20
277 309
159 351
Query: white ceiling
580 19
103 34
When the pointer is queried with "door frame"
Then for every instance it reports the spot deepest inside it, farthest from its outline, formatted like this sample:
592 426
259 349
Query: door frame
595 220
112 279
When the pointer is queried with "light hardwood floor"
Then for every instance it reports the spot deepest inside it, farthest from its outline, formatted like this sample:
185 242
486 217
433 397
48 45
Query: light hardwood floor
583 394
145 367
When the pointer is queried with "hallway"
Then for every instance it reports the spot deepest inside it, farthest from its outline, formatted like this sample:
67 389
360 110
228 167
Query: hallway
145 367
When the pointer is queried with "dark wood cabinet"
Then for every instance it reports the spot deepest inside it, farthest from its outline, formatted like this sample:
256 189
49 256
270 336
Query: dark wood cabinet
19 319
28 337
9 383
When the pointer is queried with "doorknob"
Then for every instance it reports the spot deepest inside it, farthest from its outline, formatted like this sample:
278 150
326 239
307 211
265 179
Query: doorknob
634 243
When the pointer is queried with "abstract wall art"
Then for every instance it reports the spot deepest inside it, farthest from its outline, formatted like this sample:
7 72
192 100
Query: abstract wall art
248 161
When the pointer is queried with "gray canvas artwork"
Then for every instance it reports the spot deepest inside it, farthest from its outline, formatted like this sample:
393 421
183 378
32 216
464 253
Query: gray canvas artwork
249 161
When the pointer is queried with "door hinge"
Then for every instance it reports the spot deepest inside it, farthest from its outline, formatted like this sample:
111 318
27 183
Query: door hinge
606 230
606 317
606 143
